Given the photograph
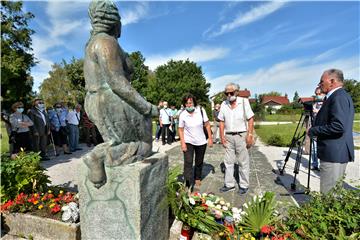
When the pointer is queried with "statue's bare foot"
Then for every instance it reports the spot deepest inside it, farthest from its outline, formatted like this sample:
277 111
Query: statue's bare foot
96 167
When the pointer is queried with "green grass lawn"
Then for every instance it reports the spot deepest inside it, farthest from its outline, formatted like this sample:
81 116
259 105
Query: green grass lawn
357 116
356 127
285 131
282 117
4 139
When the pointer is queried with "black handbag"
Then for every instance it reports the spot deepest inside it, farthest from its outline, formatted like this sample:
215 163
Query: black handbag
204 128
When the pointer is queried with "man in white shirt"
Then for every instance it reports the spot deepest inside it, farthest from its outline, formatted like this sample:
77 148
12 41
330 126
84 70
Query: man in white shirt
165 119
73 119
236 134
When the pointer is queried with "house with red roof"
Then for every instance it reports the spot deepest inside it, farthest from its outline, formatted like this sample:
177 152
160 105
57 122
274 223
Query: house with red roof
275 102
305 99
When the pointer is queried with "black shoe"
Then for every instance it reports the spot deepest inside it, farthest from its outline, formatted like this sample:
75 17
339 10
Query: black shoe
58 154
243 190
315 168
78 149
67 153
226 189
163 144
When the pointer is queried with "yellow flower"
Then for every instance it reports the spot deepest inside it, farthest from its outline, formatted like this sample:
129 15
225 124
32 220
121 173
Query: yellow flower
52 205
36 202
61 191
40 206
49 191
36 194
252 238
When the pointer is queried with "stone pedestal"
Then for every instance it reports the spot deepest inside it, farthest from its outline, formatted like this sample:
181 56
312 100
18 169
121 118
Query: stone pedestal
131 205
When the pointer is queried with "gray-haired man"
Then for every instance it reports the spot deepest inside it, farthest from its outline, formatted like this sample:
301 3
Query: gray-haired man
236 133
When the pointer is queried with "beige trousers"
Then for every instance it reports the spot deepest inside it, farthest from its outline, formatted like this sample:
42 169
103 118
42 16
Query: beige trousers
236 152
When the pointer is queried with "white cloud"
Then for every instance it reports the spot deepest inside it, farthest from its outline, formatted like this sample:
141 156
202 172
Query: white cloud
252 15
138 12
196 54
287 77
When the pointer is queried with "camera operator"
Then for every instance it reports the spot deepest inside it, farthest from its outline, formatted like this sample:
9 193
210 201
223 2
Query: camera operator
319 97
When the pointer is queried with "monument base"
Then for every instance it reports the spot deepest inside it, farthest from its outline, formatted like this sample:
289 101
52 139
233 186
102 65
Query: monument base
131 205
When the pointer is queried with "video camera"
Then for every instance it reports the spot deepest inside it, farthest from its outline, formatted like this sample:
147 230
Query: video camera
308 105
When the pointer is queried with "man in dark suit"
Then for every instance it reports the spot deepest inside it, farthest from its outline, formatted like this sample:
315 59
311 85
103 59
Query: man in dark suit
41 128
333 129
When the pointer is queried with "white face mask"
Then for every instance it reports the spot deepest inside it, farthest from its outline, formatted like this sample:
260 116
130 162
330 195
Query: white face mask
231 98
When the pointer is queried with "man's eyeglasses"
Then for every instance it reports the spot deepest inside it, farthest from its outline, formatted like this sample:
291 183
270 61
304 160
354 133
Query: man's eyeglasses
229 93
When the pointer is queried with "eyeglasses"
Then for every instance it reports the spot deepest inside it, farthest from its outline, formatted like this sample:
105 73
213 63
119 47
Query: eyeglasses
229 93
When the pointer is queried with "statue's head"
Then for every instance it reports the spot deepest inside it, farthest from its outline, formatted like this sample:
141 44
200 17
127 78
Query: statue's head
105 18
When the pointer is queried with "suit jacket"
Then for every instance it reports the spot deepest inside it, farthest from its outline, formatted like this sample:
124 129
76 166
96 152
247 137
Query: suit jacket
39 126
333 128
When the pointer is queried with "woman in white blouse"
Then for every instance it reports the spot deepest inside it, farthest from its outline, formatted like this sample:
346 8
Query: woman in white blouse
192 138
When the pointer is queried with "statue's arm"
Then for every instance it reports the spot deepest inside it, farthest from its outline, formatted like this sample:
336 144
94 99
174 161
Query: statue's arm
109 58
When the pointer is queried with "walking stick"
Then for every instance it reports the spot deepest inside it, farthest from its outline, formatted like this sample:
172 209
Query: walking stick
52 141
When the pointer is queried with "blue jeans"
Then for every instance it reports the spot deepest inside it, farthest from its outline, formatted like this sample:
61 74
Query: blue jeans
73 137
314 160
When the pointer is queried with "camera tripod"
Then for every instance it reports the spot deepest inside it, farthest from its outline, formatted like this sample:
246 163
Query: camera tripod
297 142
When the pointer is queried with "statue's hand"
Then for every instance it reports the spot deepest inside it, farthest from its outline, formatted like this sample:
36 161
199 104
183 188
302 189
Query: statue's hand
154 111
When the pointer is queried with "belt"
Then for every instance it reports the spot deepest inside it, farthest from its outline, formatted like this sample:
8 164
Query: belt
234 133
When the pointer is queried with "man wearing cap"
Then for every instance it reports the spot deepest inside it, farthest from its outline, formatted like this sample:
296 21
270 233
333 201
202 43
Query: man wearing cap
236 134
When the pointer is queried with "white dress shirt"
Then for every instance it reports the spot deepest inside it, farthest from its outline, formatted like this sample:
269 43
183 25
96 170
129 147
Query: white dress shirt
73 117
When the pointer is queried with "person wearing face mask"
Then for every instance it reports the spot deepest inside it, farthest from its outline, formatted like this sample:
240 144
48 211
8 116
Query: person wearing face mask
192 139
20 132
319 96
236 134
165 119
41 128
58 128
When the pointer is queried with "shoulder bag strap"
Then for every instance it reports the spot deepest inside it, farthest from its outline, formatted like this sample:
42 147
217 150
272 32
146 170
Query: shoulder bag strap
202 116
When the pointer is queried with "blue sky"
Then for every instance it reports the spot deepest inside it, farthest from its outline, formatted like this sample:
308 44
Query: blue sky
262 46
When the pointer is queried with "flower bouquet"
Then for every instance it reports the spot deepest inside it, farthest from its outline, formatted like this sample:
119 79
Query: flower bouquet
211 214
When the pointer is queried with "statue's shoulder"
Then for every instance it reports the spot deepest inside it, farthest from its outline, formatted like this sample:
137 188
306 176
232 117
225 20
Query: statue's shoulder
103 40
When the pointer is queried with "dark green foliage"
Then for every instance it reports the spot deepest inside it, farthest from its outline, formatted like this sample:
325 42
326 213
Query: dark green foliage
140 77
353 88
22 175
16 56
65 84
331 216
176 78
275 140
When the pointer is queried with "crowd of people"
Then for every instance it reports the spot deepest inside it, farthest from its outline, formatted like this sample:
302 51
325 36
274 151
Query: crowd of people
233 126
36 128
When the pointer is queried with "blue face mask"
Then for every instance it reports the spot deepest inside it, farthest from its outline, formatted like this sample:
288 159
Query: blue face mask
190 109
58 110
319 97
41 106
20 110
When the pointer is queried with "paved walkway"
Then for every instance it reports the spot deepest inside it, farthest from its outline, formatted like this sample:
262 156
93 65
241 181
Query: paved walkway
264 159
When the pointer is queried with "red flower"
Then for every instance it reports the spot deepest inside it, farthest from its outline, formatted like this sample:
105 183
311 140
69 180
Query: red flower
55 209
266 229
7 205
20 199
68 198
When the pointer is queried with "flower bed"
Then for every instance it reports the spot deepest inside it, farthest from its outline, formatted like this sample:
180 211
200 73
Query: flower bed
48 215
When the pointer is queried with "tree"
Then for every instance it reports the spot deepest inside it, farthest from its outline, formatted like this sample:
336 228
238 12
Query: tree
296 97
65 84
353 88
176 78
140 77
16 56
219 97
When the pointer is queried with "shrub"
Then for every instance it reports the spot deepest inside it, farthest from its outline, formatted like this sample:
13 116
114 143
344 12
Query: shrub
22 175
275 140
331 216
